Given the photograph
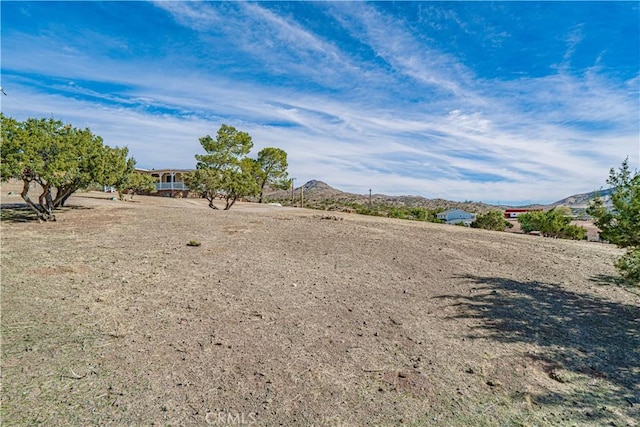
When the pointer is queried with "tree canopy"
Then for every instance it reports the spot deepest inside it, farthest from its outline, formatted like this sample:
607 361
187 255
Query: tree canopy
621 224
552 223
272 170
492 220
134 182
224 171
225 151
59 157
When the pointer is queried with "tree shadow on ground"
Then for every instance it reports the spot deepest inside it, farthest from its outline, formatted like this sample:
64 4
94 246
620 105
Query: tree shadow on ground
607 280
20 212
16 212
586 336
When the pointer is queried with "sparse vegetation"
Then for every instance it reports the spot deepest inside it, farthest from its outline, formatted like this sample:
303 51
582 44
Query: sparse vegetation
621 225
294 317
379 209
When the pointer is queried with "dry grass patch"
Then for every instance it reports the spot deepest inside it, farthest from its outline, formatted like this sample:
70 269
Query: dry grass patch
283 316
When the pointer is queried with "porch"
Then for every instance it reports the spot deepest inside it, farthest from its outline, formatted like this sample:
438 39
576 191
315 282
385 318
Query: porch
168 181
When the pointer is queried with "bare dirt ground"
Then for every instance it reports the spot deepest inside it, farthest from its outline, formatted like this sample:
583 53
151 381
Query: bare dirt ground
288 316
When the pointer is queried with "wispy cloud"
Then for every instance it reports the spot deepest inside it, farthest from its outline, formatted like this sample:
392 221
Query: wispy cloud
382 107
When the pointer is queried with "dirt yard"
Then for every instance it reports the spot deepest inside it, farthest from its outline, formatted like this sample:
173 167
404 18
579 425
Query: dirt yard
286 316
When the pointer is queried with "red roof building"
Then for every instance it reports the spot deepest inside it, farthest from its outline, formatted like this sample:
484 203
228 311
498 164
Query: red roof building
513 213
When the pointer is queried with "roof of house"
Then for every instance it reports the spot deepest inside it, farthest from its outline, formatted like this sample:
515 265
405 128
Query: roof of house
163 170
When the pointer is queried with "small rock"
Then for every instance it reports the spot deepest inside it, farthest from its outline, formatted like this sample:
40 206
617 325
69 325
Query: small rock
558 375
494 383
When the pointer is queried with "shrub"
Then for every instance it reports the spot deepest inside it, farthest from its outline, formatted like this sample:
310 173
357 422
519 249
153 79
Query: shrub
492 220
552 223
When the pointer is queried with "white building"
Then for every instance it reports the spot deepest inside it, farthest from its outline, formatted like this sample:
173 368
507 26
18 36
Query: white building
169 182
456 216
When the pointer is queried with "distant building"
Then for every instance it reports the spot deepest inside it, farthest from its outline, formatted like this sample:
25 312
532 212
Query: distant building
169 182
514 213
456 216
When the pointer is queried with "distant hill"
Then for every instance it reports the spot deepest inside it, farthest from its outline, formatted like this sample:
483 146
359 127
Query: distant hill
320 194
581 201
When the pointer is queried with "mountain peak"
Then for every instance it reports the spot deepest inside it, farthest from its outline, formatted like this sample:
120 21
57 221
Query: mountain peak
317 185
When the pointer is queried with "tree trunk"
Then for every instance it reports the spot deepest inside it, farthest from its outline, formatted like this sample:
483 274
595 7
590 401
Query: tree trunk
25 196
65 198
48 202
230 202
44 208
62 194
262 184
211 205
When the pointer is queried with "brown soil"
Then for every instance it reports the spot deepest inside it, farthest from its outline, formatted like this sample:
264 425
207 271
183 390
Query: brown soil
287 316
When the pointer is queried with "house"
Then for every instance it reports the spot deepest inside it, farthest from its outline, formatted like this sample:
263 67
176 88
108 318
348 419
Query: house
456 216
169 182
514 213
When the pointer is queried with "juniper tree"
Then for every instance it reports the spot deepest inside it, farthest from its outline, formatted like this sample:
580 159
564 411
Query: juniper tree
57 157
272 170
224 171
620 225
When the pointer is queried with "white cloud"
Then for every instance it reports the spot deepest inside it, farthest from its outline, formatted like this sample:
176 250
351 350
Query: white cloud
519 140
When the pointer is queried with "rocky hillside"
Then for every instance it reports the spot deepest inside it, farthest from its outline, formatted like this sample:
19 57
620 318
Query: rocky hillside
320 194
581 201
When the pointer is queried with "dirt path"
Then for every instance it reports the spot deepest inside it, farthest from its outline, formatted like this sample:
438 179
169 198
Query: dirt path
288 316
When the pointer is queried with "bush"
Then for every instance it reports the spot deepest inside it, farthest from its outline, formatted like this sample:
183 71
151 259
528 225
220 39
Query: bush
629 265
492 220
552 223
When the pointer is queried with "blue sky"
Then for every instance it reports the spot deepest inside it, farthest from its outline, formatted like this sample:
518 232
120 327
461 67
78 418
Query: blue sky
510 102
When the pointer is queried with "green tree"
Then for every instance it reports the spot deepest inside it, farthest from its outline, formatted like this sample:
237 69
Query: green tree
418 214
492 220
273 165
621 225
224 171
238 183
552 223
96 164
134 183
57 157
532 221
225 151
